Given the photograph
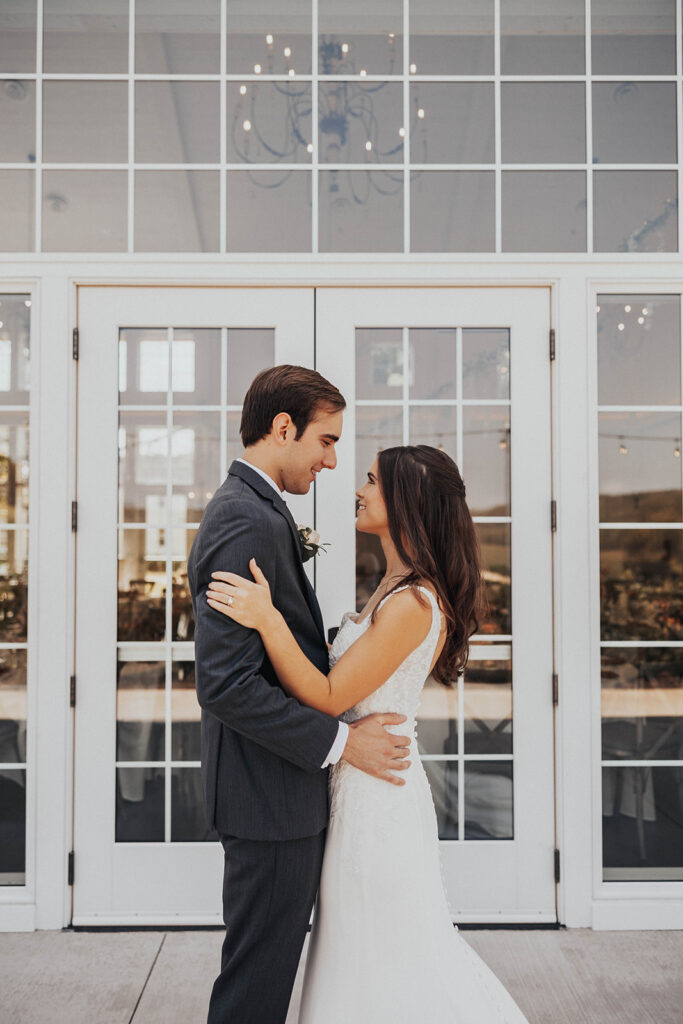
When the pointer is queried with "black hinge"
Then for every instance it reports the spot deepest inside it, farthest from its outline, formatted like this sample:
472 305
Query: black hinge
72 692
70 870
553 515
74 516
557 865
551 341
75 344
555 689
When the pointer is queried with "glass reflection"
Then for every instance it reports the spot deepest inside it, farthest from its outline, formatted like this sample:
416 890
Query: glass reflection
188 824
250 350
486 362
379 363
640 467
12 707
274 38
360 123
494 539
15 340
140 710
642 823
176 122
196 366
437 730
364 39
488 800
269 121
74 130
444 36
268 211
488 700
545 40
142 584
176 211
140 805
18 118
17 210
235 447
182 617
143 466
18 21
433 358
435 425
179 41
544 211
543 122
639 349
633 39
186 713
635 211
13 585
376 427
12 826
143 366
642 703
634 122
641 580
452 211
370 567
361 211
83 36
486 459
452 122
195 463
14 468
85 211
443 781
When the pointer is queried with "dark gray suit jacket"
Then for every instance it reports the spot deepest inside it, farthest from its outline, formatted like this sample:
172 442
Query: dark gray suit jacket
261 750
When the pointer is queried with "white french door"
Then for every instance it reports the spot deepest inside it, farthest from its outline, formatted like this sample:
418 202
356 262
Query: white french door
467 370
162 373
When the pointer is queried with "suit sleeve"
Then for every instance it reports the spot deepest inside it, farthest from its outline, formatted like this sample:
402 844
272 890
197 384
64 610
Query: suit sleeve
229 656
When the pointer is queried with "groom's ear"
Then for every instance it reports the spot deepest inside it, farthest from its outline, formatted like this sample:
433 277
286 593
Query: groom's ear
282 428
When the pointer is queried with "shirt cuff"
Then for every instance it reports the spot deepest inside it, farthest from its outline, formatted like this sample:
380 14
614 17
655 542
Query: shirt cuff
338 746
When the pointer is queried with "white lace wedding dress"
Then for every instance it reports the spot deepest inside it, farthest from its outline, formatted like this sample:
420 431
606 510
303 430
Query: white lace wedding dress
383 948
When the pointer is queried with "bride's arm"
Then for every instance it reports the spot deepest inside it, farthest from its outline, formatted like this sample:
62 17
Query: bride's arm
399 627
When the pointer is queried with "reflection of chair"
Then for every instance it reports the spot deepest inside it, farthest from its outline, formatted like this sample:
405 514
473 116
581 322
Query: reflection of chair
9 742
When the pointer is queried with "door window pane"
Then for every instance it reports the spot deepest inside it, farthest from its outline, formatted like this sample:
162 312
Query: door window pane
488 800
494 540
486 459
195 462
543 122
542 40
140 804
642 824
641 577
634 122
640 467
639 349
83 36
360 38
196 366
642 703
12 826
435 425
452 211
634 39
443 781
544 211
635 211
18 119
84 211
181 40
186 714
488 700
453 34
250 350
361 211
451 122
433 362
188 824
141 586
377 427
437 729
176 211
379 363
140 711
486 363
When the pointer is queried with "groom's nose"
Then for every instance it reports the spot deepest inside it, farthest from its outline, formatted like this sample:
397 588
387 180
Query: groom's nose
330 458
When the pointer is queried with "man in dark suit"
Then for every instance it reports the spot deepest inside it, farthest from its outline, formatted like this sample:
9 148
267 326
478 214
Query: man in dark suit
264 754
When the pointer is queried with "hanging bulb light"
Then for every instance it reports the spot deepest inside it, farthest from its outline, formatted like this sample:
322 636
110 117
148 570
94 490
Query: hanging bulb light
641 319
345 47
257 69
243 90
627 309
620 327
368 145
269 39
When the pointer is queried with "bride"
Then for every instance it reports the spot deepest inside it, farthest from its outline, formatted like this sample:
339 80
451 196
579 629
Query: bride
383 949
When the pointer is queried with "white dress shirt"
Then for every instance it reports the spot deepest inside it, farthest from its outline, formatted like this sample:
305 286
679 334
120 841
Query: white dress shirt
339 744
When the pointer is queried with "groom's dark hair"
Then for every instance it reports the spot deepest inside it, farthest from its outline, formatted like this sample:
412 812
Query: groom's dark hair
292 389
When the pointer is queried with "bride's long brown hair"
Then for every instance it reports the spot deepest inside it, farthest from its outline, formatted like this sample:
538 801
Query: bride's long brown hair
432 530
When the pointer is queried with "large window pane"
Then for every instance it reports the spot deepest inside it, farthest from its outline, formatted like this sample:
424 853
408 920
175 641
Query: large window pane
452 211
634 122
17 210
641 577
360 123
18 19
85 122
176 122
18 120
273 38
633 39
361 211
357 38
451 122
176 211
635 211
268 211
545 39
639 349
84 211
543 122
180 40
83 36
544 211
640 467
269 122
448 34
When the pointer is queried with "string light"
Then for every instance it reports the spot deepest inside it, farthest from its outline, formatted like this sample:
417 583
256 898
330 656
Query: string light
345 47
257 69
287 51
627 309
269 40
413 69
309 147
641 319
243 90
368 145
246 125
402 132
620 327
420 113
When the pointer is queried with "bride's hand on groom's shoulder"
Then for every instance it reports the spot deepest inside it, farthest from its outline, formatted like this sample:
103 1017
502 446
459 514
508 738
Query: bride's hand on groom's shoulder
245 601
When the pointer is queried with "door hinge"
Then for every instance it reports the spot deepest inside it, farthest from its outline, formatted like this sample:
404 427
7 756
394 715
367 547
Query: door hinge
555 689
70 869
553 515
72 692
551 342
75 344
74 516
557 865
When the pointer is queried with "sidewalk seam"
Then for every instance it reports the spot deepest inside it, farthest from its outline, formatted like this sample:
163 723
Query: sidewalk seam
149 975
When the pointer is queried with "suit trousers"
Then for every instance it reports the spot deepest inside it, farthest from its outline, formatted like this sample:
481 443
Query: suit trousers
268 893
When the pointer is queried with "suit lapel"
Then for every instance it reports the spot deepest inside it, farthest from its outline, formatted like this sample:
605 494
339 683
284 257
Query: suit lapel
263 488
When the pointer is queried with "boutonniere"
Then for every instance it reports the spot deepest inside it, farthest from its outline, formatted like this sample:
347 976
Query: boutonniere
310 542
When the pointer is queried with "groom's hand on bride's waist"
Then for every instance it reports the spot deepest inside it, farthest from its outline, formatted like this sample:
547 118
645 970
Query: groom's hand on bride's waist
374 750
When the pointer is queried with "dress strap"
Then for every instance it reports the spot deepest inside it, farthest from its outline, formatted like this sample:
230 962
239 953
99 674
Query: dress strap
425 590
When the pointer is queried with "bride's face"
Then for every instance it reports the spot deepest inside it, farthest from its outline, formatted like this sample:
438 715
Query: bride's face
371 516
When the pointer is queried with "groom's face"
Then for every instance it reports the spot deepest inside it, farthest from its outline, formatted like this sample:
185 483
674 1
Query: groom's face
314 451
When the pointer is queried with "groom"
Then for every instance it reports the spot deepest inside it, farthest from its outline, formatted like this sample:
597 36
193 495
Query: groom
264 755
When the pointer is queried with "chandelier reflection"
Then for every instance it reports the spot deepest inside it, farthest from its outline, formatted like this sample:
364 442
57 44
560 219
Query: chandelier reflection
272 124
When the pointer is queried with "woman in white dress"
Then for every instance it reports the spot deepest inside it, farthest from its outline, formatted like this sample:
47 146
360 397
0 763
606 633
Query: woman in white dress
383 949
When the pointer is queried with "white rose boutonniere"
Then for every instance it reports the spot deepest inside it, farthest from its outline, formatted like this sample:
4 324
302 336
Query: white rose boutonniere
310 542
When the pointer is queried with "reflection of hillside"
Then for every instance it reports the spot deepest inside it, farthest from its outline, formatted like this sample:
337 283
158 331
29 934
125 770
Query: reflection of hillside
644 506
